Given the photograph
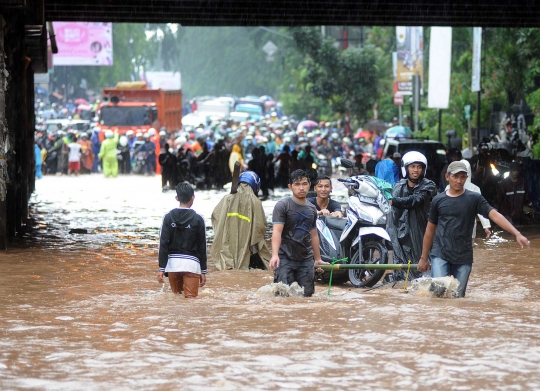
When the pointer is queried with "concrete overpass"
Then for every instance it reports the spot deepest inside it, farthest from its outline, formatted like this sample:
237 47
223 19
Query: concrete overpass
23 52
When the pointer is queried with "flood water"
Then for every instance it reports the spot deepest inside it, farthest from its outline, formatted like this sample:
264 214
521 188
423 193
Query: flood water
84 311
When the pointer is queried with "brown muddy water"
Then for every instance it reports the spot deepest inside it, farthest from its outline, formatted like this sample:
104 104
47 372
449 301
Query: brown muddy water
86 312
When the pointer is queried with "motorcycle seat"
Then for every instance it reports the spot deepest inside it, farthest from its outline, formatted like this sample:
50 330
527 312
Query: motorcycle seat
335 223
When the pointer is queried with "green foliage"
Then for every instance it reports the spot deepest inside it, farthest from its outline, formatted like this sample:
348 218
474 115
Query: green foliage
533 100
221 60
347 80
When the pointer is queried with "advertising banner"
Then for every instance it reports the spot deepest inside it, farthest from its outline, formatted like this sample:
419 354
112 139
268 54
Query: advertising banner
440 57
476 58
83 43
410 57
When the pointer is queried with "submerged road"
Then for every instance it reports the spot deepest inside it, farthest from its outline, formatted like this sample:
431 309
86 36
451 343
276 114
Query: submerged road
84 311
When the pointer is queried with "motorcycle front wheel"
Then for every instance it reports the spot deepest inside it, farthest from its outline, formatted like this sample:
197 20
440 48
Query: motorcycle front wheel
372 252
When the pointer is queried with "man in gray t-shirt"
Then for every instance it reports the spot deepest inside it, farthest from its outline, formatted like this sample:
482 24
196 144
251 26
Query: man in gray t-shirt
450 225
295 243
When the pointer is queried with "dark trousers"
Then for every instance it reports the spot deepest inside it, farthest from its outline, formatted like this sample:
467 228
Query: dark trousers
302 272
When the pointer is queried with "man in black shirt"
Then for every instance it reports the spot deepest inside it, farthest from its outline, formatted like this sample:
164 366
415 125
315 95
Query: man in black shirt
295 243
450 225
324 204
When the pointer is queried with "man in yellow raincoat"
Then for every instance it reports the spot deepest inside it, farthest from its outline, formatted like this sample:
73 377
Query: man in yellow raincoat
240 225
107 154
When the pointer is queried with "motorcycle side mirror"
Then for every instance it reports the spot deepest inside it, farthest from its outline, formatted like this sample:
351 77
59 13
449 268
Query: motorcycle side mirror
347 163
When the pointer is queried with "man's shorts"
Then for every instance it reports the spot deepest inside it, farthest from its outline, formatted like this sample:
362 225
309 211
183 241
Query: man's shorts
74 166
302 272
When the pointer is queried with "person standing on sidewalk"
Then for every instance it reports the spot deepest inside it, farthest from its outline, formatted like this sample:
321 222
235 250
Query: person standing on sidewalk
450 225
295 243
182 246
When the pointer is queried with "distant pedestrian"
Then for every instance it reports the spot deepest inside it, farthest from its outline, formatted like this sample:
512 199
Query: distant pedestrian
107 154
87 156
388 169
37 153
74 158
167 161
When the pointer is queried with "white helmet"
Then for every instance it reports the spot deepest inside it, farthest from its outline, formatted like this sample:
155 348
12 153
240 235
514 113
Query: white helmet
181 141
109 133
129 133
152 132
123 141
410 158
162 133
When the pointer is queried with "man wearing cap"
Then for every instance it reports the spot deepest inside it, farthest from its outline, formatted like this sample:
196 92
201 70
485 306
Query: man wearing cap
512 195
450 224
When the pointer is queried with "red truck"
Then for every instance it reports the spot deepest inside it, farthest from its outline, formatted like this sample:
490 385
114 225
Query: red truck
133 106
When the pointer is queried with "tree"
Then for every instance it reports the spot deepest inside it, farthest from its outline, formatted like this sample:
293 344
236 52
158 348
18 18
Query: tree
347 80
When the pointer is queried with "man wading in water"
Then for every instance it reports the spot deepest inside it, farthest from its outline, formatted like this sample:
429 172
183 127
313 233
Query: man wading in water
295 243
449 230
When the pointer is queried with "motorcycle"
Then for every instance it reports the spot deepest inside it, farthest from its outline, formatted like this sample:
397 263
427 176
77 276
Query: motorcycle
139 163
325 166
362 238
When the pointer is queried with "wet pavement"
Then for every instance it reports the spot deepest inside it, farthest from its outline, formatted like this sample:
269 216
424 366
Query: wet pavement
84 311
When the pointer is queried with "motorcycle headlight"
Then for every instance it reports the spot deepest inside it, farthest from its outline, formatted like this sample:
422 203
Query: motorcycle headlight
494 169
364 216
381 220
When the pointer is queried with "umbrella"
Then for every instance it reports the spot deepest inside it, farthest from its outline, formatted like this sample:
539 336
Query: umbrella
308 124
81 101
363 134
375 125
85 107
395 131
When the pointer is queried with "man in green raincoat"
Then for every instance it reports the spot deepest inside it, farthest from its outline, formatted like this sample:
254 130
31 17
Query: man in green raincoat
240 225
107 154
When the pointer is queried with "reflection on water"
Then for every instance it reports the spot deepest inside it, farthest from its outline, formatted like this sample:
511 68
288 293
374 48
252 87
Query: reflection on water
84 311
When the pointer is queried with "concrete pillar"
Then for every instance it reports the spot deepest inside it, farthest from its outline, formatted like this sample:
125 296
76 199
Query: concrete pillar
3 138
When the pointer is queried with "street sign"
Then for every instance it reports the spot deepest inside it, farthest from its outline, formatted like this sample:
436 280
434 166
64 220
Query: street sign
468 112
398 100
270 48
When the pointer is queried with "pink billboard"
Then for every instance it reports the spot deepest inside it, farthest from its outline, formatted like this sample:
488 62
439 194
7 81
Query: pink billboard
83 43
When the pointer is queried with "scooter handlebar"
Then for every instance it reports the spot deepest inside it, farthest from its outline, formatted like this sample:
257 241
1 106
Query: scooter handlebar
349 182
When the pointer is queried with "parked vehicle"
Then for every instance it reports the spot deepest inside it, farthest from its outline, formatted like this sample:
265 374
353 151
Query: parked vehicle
362 237
77 124
131 105
239 116
256 112
215 107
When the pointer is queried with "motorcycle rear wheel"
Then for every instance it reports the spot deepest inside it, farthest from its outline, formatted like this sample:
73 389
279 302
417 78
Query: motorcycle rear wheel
373 252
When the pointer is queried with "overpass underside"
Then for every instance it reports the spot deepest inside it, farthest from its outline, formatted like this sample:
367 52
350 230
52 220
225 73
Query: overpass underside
23 52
